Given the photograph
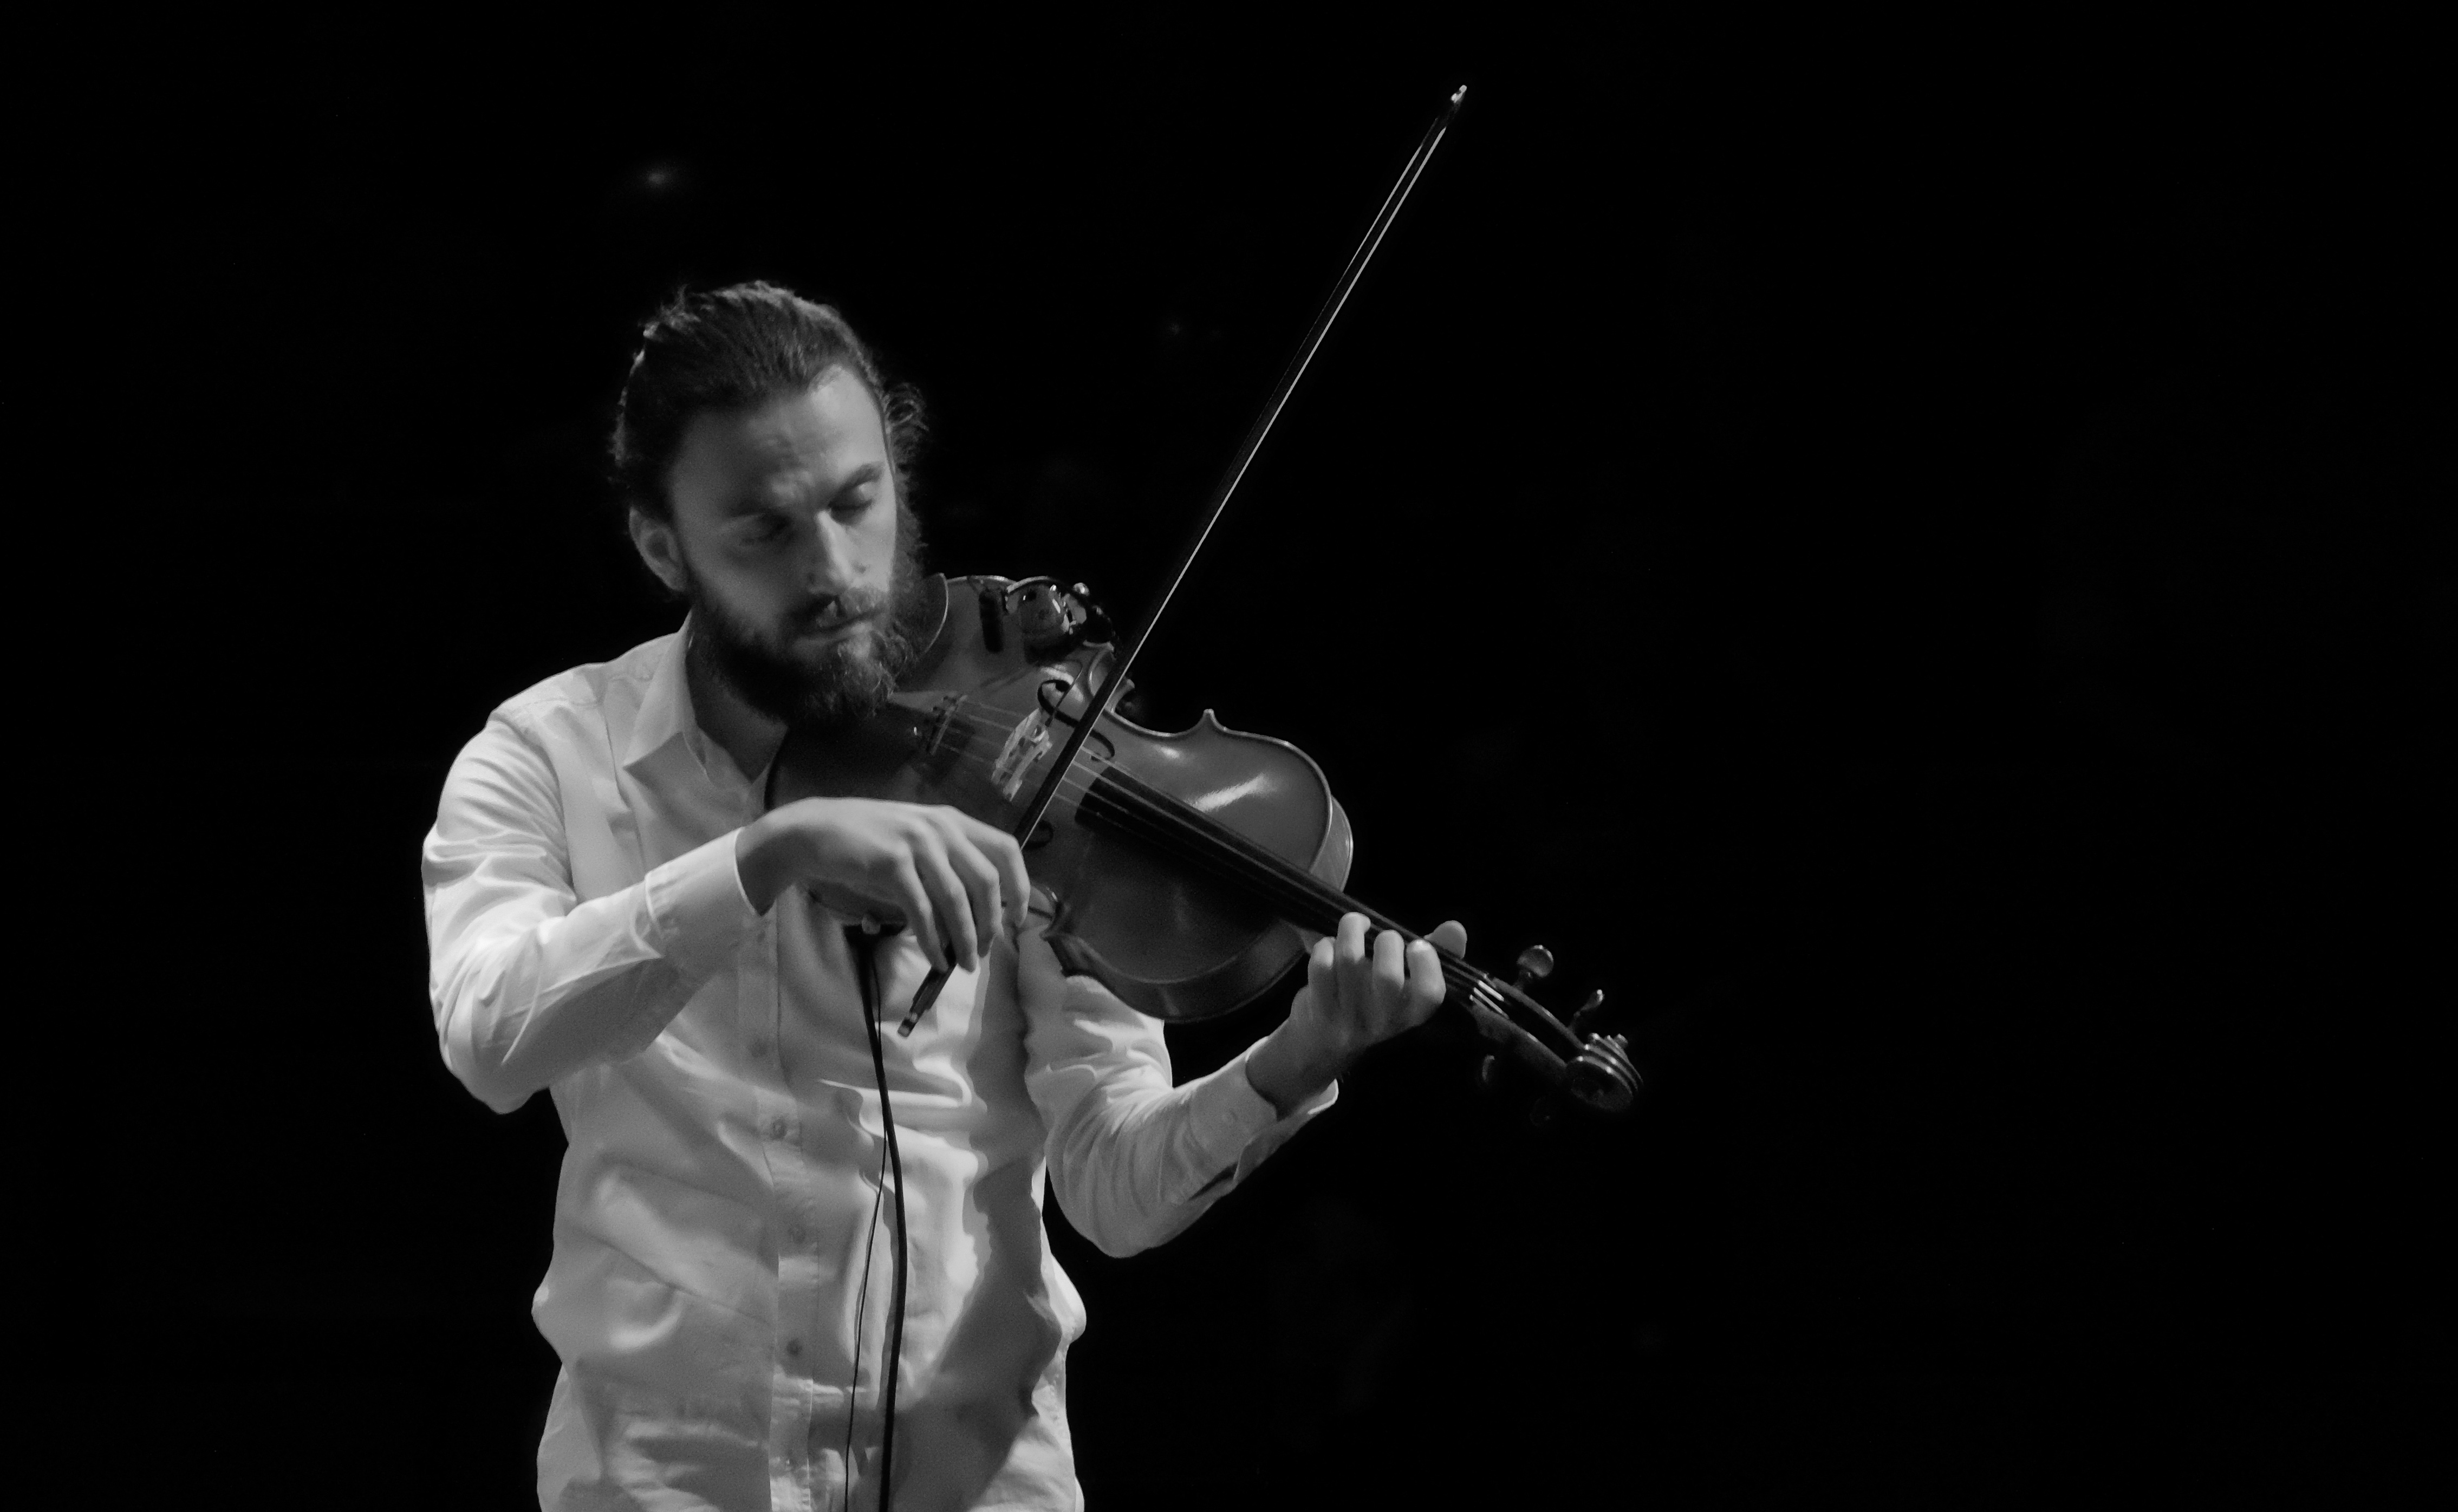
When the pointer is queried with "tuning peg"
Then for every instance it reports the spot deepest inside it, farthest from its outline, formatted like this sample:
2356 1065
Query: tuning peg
1535 964
1097 619
1587 1013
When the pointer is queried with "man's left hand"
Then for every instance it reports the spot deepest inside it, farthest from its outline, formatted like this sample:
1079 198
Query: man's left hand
1355 996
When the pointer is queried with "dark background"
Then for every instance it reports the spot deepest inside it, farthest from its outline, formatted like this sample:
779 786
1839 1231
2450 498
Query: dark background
1918 563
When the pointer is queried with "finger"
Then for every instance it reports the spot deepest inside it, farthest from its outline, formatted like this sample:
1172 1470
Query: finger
1390 973
1006 854
1322 973
981 886
954 911
918 915
1450 934
1352 941
1426 988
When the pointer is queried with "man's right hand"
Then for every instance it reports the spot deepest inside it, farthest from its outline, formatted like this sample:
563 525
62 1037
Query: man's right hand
955 882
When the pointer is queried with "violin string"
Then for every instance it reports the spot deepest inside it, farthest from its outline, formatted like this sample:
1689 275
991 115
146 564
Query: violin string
1167 820
1157 818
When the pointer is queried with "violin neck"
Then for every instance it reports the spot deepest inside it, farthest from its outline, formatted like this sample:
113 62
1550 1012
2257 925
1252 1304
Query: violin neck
1124 805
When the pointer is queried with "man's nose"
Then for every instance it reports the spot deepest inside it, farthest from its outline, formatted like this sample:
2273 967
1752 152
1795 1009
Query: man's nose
829 563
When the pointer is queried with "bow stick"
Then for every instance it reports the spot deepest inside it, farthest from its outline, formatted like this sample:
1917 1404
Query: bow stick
1237 470
1099 703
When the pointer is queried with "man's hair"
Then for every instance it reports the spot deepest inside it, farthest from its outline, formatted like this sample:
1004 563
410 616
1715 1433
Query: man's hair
731 349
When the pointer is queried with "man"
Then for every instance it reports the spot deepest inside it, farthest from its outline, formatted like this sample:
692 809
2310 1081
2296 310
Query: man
613 916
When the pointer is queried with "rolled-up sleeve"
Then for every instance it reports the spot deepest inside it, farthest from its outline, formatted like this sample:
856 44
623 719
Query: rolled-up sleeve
529 982
1133 1159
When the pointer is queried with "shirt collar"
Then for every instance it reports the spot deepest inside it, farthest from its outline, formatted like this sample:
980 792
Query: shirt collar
666 719
666 714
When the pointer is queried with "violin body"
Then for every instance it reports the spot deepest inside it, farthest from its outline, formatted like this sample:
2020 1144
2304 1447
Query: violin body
998 687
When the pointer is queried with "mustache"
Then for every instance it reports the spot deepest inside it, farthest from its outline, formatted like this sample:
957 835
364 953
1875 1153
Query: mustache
851 604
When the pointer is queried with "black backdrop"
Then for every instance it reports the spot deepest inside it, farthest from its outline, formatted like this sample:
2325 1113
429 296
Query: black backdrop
1919 568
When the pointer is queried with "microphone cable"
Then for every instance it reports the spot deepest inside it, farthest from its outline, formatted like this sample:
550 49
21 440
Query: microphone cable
864 938
861 1312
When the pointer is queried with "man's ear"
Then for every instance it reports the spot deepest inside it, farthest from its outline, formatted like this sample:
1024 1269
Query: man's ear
660 548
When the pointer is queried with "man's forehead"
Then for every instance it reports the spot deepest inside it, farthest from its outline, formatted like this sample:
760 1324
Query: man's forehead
833 416
785 446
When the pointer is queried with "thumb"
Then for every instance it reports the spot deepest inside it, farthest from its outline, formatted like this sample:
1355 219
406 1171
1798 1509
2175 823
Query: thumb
1038 974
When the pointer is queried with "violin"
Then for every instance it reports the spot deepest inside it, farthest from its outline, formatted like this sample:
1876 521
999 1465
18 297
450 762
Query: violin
1187 873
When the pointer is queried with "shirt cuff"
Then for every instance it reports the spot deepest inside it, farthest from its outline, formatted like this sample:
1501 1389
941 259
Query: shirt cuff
698 910
1236 1127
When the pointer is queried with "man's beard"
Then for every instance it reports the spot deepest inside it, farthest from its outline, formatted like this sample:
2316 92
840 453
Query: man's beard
854 675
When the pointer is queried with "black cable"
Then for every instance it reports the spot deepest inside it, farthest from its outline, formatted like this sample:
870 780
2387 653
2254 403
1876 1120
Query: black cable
862 1311
865 951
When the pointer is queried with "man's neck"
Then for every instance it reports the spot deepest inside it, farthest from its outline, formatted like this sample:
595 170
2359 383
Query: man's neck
746 733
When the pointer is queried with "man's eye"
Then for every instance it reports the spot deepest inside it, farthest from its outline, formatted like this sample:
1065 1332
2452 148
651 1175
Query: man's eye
767 528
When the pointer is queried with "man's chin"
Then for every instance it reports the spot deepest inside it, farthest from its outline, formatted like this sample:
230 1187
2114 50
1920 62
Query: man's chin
824 664
817 647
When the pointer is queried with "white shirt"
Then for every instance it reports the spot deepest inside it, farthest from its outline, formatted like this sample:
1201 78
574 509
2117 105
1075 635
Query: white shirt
721 1271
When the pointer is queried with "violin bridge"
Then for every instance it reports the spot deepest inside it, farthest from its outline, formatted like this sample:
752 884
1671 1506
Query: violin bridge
934 734
1026 744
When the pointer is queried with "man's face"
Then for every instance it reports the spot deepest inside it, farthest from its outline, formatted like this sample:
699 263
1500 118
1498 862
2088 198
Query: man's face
786 537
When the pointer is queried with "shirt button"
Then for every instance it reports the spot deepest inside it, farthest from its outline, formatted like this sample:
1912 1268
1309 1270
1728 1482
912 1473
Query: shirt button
776 1128
794 1347
759 1050
796 1234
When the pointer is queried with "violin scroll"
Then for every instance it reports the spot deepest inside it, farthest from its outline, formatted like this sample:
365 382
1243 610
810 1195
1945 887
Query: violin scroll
1575 1063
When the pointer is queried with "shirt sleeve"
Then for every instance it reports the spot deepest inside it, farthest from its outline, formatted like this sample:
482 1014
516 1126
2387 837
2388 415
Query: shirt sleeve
1133 1159
529 982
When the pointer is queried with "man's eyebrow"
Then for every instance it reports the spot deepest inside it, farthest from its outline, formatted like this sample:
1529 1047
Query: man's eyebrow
763 504
868 472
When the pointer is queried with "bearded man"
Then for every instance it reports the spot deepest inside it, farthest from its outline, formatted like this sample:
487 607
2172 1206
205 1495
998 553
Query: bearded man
614 918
